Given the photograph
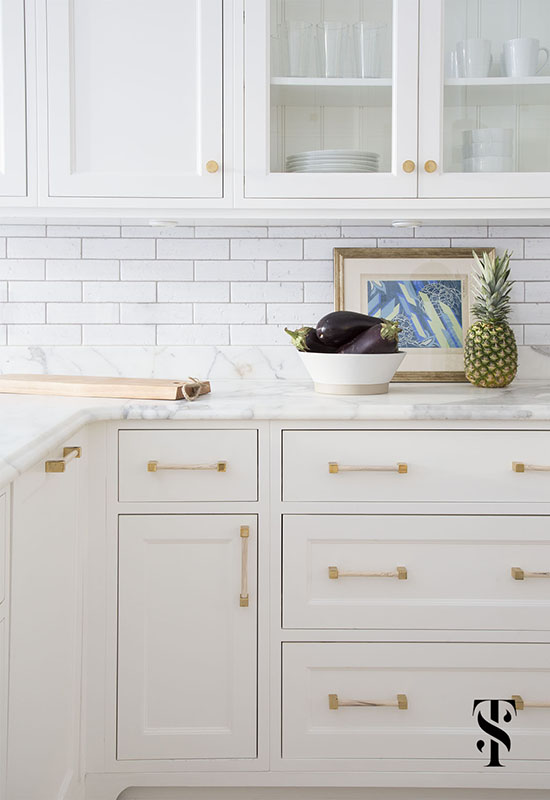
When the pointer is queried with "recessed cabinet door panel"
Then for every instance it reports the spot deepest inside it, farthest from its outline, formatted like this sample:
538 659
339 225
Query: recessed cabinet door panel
406 572
3 546
3 703
440 683
13 145
187 647
135 97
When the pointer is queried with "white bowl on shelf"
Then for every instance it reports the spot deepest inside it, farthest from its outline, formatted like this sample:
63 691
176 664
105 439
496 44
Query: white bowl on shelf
489 164
489 135
476 149
346 373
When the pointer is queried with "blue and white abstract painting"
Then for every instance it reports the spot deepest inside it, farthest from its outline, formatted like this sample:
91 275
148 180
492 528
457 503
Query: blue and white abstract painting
429 311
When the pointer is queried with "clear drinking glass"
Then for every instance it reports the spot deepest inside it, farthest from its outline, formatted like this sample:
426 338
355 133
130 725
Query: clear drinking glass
368 49
330 40
299 52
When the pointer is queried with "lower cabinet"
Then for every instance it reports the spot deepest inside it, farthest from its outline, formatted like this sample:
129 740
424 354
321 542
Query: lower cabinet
414 701
4 538
187 636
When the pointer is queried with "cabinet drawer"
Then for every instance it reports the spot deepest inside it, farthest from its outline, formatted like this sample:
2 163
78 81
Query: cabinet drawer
188 465
398 466
440 683
3 545
427 572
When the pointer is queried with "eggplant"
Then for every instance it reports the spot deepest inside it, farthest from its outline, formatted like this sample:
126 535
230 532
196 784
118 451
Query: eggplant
381 338
305 339
340 327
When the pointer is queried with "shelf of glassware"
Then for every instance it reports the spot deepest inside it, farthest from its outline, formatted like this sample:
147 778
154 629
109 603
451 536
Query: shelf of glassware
331 91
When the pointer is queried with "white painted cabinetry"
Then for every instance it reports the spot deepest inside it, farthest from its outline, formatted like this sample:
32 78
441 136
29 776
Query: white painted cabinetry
4 622
187 636
13 119
134 99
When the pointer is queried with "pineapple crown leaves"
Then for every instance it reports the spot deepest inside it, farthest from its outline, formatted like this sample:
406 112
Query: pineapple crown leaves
492 287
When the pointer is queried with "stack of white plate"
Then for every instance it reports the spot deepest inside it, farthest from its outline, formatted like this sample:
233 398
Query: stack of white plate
333 161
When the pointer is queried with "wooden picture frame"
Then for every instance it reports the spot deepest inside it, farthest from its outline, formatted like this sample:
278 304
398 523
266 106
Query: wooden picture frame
372 279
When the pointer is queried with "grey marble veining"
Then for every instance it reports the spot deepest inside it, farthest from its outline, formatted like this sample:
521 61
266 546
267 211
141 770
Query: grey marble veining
33 425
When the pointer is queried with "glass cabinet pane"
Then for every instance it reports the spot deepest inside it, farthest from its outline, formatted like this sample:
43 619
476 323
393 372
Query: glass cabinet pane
496 114
331 86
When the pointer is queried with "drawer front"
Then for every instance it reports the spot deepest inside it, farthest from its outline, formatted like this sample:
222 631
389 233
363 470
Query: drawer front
440 466
188 465
3 545
416 571
440 683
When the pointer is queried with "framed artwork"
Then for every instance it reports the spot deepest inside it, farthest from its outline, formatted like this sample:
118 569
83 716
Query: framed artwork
427 290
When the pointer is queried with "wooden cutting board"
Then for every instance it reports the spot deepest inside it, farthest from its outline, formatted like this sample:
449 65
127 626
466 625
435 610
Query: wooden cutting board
79 386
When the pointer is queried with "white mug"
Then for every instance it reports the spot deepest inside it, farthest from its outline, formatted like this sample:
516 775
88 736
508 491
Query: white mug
474 58
521 57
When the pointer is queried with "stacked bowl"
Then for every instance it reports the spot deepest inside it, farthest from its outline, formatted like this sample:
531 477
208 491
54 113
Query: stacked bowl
333 161
488 150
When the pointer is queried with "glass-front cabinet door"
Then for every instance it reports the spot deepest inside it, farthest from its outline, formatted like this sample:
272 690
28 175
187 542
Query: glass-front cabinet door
484 118
331 98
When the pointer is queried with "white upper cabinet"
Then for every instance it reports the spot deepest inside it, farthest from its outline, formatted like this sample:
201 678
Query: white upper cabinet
330 98
13 145
135 98
484 121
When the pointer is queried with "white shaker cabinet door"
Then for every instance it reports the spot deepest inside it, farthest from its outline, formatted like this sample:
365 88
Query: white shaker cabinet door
134 98
13 159
187 646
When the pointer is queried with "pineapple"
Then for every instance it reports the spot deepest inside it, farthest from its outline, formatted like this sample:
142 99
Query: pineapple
490 351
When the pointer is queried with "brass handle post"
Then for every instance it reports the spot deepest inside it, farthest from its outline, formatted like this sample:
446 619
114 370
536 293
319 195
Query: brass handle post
334 468
519 574
409 166
245 535
212 166
69 453
400 573
401 702
519 466
522 704
155 466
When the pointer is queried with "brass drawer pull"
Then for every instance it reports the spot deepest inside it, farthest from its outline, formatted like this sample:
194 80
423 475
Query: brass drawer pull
519 466
69 453
522 704
400 573
334 703
518 574
245 535
219 466
400 467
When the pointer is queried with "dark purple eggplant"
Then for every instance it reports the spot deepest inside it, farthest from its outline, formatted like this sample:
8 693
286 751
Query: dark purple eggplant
382 338
340 327
305 339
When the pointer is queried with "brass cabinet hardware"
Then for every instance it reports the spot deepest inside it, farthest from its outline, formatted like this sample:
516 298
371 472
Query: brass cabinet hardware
409 166
518 574
519 466
430 165
522 704
400 467
69 453
400 573
212 166
334 703
219 466
245 535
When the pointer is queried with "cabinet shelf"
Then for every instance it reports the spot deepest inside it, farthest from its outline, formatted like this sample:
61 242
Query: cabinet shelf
532 80
334 82
331 91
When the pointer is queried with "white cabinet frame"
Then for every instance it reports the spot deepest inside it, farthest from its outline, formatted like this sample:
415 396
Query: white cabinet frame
13 117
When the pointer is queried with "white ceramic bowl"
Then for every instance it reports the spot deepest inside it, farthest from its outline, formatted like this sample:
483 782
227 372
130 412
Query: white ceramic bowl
487 149
488 135
342 373
489 164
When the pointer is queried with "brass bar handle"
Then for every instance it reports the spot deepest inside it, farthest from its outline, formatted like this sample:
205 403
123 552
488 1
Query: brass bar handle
519 574
522 704
69 454
401 468
519 466
245 535
219 466
400 573
401 702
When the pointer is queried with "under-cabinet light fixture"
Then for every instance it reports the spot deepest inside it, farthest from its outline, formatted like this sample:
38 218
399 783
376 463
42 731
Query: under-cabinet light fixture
407 223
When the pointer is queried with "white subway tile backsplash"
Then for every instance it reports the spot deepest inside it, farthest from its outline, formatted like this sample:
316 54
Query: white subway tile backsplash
3 292
537 292
153 270
77 270
118 248
416 242
229 312
82 312
22 269
297 314
22 312
61 335
451 231
266 248
193 292
230 232
304 232
530 313
31 291
155 313
230 270
119 292
37 247
300 270
512 245
267 292
193 248
193 334
118 334
529 270
537 334
3 334
90 231
368 231
537 248
323 248
10 229
318 292
244 335
158 231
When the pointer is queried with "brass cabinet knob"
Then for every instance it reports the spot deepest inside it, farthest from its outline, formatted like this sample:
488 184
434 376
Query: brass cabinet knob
409 166
212 166
430 166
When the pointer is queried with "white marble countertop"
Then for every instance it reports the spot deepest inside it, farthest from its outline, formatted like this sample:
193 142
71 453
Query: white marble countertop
33 425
